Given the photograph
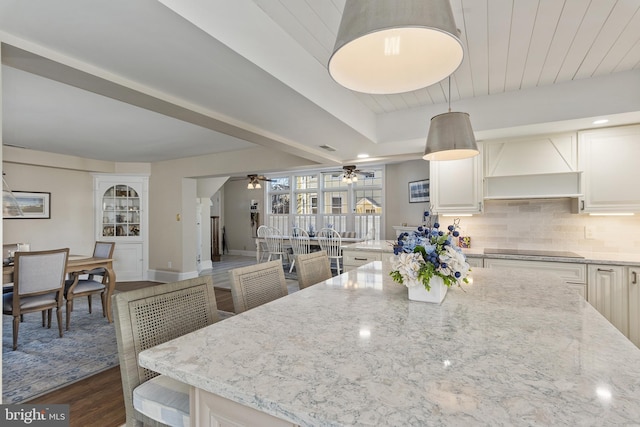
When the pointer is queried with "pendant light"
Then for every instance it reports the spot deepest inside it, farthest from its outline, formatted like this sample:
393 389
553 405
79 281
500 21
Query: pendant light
395 46
450 136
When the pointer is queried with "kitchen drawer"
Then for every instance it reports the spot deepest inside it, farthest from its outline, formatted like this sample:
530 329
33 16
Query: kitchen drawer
358 258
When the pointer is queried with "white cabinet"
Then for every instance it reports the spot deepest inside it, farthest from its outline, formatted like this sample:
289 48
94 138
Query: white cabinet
456 185
121 203
573 274
608 160
538 167
609 294
633 282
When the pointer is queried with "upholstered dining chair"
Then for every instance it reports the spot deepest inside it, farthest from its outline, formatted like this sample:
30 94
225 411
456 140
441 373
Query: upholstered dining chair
38 284
262 234
257 284
275 244
312 268
331 242
300 244
148 317
78 287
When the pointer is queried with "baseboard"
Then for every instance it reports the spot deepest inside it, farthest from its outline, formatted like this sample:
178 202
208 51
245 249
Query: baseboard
170 276
205 265
243 253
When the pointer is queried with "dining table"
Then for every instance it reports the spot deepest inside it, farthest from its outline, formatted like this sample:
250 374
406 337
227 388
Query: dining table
75 264
313 241
512 347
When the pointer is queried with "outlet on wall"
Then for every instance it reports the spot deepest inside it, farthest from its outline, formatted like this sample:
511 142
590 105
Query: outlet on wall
169 264
589 232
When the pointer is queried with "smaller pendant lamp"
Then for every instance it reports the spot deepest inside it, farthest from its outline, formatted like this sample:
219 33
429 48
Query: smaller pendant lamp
450 136
395 46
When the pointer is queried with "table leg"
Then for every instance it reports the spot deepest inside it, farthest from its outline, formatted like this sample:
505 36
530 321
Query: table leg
111 277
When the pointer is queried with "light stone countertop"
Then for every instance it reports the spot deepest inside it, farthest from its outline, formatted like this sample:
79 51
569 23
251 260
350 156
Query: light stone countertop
589 258
513 348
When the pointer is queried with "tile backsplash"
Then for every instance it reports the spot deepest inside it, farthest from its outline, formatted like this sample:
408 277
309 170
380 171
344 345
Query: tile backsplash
549 224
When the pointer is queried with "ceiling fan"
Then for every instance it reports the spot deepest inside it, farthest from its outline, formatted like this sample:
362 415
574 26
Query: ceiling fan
254 181
350 174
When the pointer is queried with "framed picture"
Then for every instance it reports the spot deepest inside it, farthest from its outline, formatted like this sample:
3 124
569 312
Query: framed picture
419 191
34 205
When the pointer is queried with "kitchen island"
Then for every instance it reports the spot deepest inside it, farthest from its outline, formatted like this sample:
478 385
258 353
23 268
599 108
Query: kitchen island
512 348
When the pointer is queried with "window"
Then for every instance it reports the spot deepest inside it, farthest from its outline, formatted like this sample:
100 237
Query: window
320 199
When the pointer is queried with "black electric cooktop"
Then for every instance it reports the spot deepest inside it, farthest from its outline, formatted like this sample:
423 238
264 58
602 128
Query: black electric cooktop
533 253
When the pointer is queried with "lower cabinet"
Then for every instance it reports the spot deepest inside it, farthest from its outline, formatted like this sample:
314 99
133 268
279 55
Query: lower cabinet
354 259
574 274
609 294
633 279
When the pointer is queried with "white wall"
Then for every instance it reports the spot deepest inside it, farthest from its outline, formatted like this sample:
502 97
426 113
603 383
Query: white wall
398 210
237 216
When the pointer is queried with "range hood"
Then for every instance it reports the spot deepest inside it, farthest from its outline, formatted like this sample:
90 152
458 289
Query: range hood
542 167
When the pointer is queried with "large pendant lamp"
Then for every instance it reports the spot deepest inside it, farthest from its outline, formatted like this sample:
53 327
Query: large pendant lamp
450 136
395 46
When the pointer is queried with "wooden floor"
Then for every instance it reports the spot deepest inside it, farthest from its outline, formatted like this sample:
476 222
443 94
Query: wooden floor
98 400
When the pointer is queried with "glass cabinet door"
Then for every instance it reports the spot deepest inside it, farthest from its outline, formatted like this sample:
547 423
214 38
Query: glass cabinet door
120 212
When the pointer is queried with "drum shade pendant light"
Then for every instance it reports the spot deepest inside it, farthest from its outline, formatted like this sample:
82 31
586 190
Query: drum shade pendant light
395 46
450 136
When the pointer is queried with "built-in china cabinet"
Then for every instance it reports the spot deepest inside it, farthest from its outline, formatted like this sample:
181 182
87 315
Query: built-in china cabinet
121 203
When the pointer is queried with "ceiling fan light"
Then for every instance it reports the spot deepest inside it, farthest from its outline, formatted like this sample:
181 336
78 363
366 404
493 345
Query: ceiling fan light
250 186
450 138
390 46
354 178
258 186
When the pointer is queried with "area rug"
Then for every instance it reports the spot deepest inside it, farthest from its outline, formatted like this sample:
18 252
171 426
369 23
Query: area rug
45 362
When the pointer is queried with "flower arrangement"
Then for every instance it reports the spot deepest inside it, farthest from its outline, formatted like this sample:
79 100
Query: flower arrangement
429 252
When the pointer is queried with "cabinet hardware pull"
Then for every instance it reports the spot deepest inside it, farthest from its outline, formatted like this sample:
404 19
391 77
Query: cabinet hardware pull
635 277
608 270
582 205
360 259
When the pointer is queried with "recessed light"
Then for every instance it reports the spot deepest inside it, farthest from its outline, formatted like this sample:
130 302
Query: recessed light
363 156
600 122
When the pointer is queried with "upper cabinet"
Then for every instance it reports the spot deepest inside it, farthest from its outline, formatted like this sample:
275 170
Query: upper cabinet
536 167
456 185
610 180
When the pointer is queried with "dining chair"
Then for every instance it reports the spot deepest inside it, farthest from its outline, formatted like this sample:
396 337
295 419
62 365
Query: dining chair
77 287
275 244
262 234
256 285
331 242
148 317
312 268
300 244
38 285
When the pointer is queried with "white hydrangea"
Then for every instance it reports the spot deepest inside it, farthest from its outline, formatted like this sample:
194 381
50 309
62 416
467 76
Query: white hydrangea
408 264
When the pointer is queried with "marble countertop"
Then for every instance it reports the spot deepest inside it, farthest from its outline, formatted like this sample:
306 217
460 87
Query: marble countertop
589 257
512 348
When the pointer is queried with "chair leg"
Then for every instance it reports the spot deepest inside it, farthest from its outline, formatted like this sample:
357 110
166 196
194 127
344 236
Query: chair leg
338 265
43 318
16 325
49 312
59 316
292 264
103 299
69 308
89 298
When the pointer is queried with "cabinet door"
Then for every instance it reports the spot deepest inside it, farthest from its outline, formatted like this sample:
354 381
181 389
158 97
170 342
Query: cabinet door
633 278
455 186
127 261
608 160
608 293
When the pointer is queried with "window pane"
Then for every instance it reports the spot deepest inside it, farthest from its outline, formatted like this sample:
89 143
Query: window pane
335 202
368 201
279 203
369 178
279 184
306 182
307 203
332 180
